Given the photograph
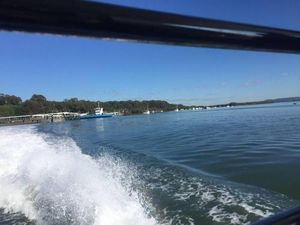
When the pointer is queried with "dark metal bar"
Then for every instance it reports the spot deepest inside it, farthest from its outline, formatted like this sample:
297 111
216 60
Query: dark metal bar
98 20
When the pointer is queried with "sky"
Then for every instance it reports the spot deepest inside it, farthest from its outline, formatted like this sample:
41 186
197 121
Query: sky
64 67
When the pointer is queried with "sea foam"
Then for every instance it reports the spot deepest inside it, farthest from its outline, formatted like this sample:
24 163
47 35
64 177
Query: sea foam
50 181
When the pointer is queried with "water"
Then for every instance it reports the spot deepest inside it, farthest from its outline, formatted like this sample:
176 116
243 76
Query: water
230 166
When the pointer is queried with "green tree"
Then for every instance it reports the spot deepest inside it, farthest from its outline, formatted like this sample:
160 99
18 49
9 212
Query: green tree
10 99
38 98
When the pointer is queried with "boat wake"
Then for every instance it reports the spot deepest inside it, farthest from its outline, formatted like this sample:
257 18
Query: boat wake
47 179
50 181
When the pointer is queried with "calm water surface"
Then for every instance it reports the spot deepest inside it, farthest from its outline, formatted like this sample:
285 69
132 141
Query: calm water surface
229 166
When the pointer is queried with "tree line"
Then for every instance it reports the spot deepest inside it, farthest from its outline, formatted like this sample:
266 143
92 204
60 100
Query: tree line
11 105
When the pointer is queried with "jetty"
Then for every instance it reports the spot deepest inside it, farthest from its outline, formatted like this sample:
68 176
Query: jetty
39 118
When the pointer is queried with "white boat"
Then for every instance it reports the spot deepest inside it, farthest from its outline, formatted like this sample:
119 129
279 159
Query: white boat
99 110
98 114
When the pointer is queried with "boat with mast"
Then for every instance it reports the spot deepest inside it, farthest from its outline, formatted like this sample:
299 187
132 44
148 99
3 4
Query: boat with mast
147 112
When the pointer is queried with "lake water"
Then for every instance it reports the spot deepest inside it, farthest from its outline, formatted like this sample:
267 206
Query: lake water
223 166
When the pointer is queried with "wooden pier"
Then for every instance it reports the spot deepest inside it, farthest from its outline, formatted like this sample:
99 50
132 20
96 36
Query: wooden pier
38 118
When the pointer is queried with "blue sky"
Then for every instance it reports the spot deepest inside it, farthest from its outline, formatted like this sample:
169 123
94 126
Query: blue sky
60 67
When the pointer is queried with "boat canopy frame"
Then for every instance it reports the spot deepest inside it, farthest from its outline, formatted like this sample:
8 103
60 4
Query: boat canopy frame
106 21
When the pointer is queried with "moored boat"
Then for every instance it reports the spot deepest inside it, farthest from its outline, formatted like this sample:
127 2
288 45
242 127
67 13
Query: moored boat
98 114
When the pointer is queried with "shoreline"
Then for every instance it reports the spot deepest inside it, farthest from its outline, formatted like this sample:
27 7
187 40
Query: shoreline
67 116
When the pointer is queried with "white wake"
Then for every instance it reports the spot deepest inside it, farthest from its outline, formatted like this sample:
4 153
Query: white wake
51 181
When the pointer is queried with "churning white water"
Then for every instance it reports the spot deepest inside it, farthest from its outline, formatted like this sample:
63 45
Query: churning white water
51 181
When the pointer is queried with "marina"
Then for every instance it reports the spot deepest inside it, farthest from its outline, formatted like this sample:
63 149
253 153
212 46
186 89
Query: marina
54 117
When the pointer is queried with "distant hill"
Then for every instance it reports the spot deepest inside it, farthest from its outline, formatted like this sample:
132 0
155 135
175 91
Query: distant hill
267 101
290 99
